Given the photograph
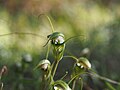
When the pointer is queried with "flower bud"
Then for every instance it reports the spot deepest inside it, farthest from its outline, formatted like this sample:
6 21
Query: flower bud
3 71
44 65
84 63
58 43
56 38
60 85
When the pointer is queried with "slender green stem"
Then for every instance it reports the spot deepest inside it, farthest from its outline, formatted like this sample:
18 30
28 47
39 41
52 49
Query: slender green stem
73 78
54 68
73 37
64 76
103 78
76 76
72 57
49 21
74 82
22 33
81 81
92 73
43 83
48 50
46 42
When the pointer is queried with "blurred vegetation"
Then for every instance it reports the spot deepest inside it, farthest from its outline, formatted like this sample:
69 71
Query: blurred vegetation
97 21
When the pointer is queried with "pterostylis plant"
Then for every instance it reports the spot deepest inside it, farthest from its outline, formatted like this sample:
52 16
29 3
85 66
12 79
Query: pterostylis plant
57 42
82 65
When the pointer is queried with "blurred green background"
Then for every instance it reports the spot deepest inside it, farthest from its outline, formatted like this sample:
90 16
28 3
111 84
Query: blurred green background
97 21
